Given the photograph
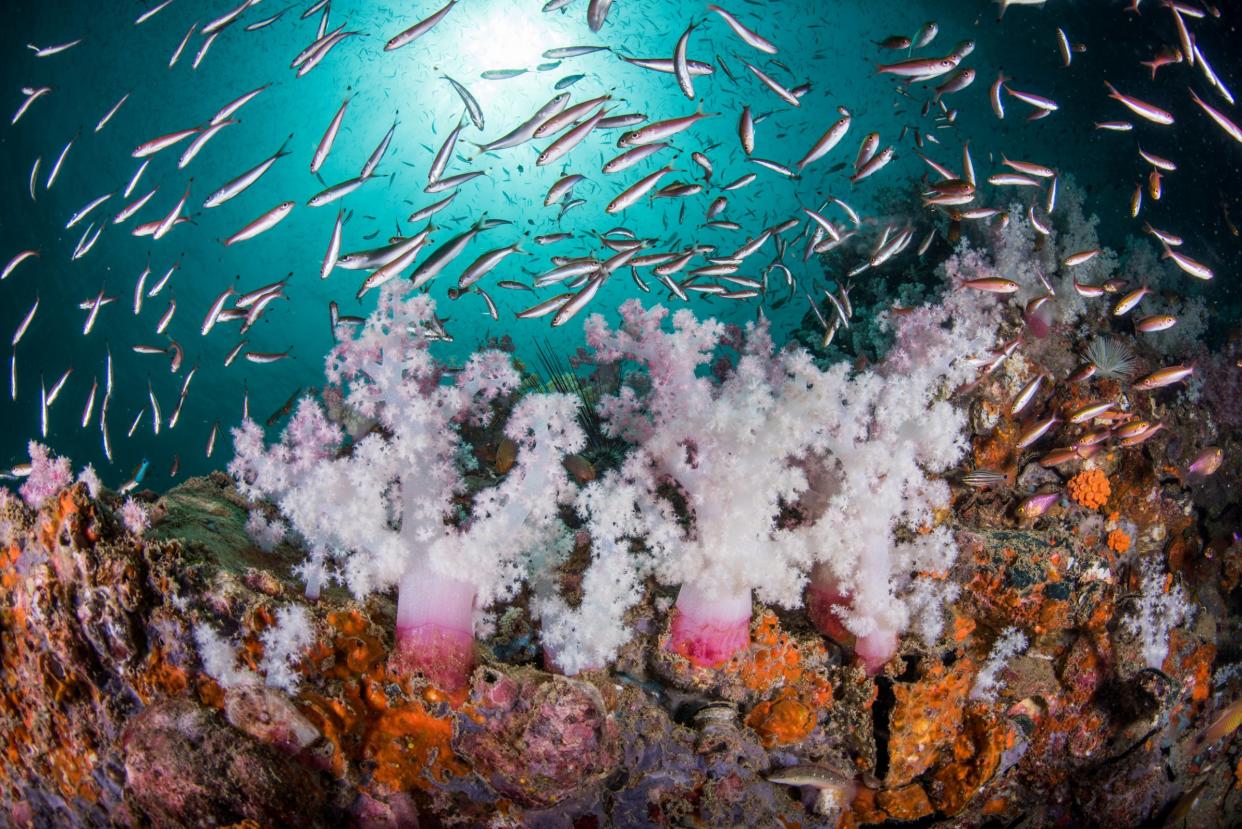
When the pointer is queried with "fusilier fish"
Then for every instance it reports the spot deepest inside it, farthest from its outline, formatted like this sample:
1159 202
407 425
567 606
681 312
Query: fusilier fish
828 140
1166 376
263 223
246 179
419 29
748 36
636 191
1142 109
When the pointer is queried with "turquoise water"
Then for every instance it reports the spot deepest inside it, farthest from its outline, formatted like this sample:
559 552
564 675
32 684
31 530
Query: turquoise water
831 46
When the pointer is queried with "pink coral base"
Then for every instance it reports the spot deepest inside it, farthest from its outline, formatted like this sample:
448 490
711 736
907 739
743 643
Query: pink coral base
445 656
823 605
709 629
708 645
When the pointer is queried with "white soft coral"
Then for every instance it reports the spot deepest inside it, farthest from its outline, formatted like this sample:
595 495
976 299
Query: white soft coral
385 506
881 561
725 448
718 462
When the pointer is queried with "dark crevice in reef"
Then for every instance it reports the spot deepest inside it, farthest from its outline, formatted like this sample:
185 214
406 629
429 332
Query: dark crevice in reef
885 701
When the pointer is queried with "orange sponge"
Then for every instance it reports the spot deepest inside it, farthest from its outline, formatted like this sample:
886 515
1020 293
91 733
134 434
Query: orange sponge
1090 488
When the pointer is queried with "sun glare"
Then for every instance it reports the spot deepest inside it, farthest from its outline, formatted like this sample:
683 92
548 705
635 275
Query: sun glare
507 38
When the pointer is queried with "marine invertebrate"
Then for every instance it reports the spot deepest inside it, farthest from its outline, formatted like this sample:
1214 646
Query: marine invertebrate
383 509
1112 358
702 487
265 533
90 478
1008 644
48 475
784 720
882 438
925 719
716 461
1090 488
1118 541
134 516
1161 606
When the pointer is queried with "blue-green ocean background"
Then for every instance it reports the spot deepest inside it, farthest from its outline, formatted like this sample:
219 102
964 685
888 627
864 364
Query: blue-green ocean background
829 44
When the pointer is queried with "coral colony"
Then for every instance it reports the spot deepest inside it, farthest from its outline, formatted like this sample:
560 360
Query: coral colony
382 510
737 480
955 539
754 508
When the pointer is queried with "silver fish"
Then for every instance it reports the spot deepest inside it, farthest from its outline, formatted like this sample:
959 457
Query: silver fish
432 209
15 261
526 130
336 191
334 246
597 13
748 36
108 115
442 256
472 105
418 29
55 171
378 154
263 223
636 191
578 301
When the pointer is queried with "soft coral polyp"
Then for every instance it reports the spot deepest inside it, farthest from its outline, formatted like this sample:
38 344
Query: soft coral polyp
435 630
826 605
709 630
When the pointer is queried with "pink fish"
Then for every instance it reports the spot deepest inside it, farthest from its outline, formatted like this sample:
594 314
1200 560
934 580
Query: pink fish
1166 376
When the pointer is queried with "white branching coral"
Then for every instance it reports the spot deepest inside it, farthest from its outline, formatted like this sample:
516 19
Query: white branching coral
90 478
264 533
284 645
134 516
383 508
881 559
48 475
724 448
720 467
219 658
1160 606
1011 642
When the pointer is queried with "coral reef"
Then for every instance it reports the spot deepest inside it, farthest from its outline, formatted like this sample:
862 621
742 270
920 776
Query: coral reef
942 607
111 714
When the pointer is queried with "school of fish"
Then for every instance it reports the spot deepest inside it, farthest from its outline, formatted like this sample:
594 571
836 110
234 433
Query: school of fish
655 155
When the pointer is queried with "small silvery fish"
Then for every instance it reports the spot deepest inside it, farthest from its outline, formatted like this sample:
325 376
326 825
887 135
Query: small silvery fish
985 478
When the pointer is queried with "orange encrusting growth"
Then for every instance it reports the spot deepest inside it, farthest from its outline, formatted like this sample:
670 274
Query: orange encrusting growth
1090 488
773 660
1118 541
407 743
782 721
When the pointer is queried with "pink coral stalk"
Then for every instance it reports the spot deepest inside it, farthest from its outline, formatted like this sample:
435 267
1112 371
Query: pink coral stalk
709 630
435 627
827 605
